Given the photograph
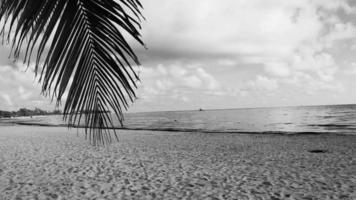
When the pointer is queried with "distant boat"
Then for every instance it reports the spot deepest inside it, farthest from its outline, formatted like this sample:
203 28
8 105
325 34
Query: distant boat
200 109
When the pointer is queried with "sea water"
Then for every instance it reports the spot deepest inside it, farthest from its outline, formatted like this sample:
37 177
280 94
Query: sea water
339 119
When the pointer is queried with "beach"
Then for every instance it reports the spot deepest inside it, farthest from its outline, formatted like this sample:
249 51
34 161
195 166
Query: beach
54 163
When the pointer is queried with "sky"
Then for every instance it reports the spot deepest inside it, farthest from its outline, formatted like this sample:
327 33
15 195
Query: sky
215 54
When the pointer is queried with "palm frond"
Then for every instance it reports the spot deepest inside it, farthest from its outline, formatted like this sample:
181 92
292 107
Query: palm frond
79 46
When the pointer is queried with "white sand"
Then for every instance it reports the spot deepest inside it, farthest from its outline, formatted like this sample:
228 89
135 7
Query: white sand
49 163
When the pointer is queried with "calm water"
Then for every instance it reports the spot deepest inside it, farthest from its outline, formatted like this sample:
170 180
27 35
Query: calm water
318 119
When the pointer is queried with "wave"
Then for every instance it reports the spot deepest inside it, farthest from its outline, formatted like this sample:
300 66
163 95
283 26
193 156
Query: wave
184 130
335 126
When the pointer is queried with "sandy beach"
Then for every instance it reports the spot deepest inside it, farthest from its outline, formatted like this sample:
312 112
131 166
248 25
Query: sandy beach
53 163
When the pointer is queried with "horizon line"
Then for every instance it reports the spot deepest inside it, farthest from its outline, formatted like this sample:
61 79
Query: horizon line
243 108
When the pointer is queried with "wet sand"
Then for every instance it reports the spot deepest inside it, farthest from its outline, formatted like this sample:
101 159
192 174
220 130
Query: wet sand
53 163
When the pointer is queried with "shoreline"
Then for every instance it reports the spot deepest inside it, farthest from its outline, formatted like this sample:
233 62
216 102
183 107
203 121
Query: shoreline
35 124
55 163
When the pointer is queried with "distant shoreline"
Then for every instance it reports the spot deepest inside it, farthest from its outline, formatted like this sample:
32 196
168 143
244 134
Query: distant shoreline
241 108
318 120
287 133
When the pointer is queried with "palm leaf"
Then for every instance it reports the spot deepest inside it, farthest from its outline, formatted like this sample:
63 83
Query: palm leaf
78 46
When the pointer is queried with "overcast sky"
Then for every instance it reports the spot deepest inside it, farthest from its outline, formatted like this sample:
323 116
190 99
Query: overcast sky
230 54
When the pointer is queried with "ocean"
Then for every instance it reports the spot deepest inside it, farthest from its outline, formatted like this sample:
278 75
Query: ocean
338 119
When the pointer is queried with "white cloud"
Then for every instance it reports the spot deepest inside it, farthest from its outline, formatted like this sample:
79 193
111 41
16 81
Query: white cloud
263 83
210 82
278 69
7 99
323 64
226 62
233 48
339 31
353 46
163 80
283 36
239 27
25 95
20 88
351 70
311 85
333 5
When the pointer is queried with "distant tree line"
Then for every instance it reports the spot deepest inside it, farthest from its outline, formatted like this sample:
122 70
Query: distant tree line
27 112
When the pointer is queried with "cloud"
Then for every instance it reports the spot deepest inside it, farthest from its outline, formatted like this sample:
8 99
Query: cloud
20 88
213 51
263 83
24 94
351 70
254 27
7 99
278 69
311 85
269 47
339 31
175 78
353 47
284 37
